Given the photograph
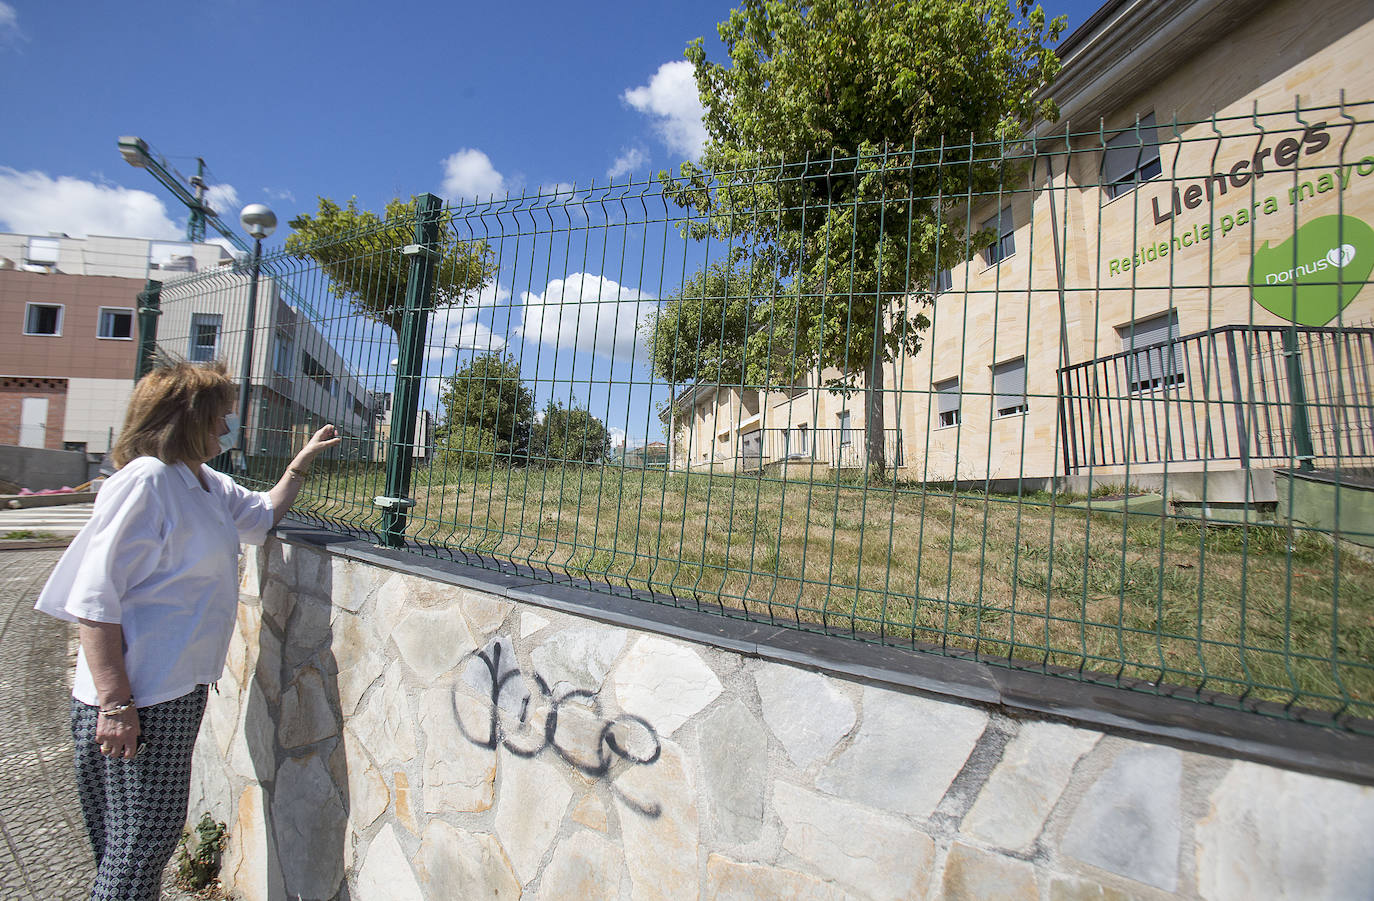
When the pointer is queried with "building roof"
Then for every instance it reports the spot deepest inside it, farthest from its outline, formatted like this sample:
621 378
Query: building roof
1128 45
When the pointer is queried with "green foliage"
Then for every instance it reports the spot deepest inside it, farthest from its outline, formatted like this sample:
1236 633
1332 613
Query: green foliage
487 394
720 327
198 854
26 535
812 158
467 449
361 253
569 434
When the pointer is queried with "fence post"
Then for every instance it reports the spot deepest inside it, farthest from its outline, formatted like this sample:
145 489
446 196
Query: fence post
409 365
1302 434
149 309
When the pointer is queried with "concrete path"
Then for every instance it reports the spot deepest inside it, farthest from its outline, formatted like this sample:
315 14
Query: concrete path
44 854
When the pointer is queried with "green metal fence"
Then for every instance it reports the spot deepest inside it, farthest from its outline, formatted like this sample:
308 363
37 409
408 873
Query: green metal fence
1030 404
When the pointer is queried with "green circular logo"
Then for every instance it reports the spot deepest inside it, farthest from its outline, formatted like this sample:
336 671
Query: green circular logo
1317 272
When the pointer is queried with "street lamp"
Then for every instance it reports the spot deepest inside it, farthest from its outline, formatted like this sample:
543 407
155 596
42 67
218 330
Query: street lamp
258 221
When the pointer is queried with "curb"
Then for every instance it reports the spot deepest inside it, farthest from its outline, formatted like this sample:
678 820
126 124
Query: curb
34 544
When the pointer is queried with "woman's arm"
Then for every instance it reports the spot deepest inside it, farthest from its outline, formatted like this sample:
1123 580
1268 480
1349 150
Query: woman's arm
104 647
283 494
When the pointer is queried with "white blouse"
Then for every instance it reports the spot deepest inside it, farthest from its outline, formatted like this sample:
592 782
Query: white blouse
160 557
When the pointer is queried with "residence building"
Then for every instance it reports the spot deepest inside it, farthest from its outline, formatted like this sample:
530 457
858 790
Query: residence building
1185 252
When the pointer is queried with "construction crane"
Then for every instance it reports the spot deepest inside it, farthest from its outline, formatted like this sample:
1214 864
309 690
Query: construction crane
136 152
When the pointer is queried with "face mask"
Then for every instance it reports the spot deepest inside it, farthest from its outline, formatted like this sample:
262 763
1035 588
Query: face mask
231 438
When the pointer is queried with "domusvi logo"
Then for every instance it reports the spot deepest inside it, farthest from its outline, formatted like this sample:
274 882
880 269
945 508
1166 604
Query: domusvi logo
1317 272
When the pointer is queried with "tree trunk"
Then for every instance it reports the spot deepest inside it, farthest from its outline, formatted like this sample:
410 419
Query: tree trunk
873 417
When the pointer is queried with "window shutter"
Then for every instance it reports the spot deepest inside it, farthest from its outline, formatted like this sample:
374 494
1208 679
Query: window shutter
948 396
1009 386
1151 366
1129 151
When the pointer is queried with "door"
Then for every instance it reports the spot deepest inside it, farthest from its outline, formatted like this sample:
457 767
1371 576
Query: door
33 422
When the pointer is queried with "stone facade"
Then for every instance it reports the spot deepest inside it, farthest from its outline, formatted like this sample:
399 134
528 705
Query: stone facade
378 735
1084 266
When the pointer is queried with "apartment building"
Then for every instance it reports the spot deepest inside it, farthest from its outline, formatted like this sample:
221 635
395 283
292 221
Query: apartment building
68 307
1148 289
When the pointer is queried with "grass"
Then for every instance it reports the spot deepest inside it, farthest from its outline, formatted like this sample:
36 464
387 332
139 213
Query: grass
1254 610
27 535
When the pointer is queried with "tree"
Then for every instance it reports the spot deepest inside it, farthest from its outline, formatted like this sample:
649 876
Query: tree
361 253
570 434
812 157
716 328
487 395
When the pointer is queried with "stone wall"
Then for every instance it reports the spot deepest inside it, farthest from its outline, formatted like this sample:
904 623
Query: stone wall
383 735
37 468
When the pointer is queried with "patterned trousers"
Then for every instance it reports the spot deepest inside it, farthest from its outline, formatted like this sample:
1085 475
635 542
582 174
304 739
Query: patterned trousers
135 809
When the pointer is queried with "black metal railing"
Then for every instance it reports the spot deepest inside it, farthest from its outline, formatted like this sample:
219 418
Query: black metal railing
837 448
1251 394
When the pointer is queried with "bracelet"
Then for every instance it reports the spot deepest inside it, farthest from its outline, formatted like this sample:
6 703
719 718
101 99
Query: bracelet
117 709
295 473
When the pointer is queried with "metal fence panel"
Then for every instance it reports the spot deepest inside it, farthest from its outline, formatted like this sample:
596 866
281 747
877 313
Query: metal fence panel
554 428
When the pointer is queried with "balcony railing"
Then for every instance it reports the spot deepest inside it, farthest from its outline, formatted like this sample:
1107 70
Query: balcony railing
837 448
1251 394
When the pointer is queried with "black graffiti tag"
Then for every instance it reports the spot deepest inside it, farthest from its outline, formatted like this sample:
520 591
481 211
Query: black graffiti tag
624 737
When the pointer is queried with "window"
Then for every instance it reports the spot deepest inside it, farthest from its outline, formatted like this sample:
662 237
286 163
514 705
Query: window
751 449
43 251
204 337
316 372
1130 158
116 323
1009 388
284 356
947 397
795 441
943 281
43 319
1004 243
1154 357
846 433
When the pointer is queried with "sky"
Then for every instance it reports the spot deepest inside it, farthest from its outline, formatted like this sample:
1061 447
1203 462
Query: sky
290 101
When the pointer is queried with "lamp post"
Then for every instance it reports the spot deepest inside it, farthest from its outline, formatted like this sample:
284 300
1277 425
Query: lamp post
258 221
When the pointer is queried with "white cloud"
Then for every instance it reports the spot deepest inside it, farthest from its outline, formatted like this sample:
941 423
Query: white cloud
9 18
36 203
280 194
671 99
224 200
628 161
456 327
588 312
469 175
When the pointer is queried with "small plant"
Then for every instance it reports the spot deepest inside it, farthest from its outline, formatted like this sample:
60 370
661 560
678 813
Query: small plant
26 534
198 854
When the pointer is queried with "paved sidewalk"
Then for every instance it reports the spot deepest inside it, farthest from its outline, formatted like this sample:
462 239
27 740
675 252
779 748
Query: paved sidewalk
44 854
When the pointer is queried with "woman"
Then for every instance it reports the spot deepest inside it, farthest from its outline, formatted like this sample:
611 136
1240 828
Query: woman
152 581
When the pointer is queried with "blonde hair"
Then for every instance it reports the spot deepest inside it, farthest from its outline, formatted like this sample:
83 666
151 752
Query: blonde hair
172 414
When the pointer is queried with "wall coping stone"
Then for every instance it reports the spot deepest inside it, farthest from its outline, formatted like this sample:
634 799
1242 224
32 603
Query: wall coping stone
1159 713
